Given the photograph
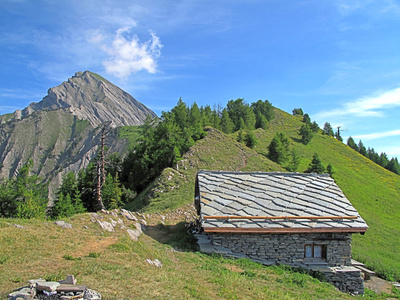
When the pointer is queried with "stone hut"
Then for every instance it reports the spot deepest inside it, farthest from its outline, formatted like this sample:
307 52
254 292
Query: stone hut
300 220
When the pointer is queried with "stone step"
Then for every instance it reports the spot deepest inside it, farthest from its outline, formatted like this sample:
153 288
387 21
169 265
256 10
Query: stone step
71 288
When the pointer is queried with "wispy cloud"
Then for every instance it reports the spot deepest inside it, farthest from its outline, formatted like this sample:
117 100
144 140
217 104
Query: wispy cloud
378 135
128 55
376 8
370 106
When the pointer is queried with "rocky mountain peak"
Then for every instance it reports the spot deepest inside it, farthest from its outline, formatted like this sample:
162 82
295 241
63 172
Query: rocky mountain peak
91 97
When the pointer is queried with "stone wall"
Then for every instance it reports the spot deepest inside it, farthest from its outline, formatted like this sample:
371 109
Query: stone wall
347 279
289 249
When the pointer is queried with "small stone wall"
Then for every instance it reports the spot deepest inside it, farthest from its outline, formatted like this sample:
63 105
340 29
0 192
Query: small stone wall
347 279
288 249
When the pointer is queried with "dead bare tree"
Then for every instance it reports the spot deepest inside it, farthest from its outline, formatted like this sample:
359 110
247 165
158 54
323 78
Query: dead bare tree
101 174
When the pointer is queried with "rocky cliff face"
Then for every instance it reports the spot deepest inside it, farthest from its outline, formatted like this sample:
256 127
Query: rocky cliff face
61 133
91 97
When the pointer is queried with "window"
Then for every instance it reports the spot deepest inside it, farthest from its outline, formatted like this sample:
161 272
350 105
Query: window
315 251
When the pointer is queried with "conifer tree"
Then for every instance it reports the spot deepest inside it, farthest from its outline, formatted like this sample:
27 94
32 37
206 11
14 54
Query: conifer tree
306 134
294 162
250 139
328 129
330 170
352 144
279 148
24 196
306 119
314 127
315 165
240 137
361 148
227 125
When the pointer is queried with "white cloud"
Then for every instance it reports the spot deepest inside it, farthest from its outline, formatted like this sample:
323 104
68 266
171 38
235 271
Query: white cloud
128 55
370 106
377 135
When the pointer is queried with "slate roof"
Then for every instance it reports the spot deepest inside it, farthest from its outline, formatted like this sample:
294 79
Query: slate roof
273 202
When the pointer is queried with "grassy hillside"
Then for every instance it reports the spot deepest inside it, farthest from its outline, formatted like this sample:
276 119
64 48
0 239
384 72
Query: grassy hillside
216 151
115 266
374 191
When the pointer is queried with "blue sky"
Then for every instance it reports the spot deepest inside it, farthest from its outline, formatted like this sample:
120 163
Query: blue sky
338 60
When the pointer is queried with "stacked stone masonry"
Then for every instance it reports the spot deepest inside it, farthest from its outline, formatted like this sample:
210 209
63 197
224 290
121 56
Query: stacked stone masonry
289 249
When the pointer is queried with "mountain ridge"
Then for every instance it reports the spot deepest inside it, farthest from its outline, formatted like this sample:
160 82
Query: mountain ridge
90 96
61 132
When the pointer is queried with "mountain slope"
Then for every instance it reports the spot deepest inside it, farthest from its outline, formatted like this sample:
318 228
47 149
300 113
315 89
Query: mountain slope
61 133
217 151
91 97
373 190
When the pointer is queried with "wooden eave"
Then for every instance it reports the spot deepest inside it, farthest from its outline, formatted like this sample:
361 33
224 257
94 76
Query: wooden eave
280 217
283 230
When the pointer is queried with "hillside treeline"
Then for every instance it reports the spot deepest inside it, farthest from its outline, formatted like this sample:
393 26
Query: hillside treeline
380 159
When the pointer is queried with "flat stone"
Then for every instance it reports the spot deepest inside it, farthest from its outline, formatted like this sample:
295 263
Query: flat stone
63 224
24 293
49 286
33 282
71 288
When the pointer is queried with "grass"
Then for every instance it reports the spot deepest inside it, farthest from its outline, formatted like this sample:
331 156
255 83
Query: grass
217 151
119 270
130 133
99 77
373 191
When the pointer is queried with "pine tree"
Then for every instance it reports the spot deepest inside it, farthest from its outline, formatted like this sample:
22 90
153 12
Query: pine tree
250 139
306 134
330 170
361 148
227 125
196 122
328 129
306 119
261 121
315 165
295 160
24 196
352 144
263 108
278 149
297 111
394 166
240 137
112 192
314 127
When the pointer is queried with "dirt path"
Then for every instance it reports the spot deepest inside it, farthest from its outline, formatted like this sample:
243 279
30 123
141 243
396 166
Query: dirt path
378 285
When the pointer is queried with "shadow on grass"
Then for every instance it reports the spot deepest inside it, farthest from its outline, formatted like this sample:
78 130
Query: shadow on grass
177 236
297 140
